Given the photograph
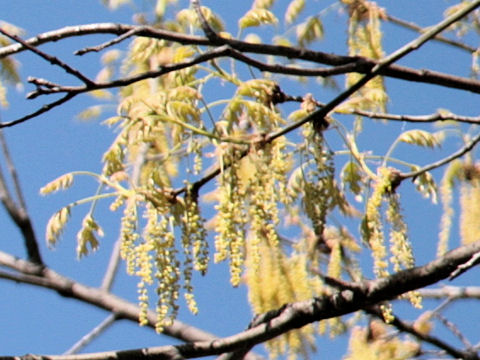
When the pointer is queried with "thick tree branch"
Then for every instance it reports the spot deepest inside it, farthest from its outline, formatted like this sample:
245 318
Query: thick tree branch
291 316
348 63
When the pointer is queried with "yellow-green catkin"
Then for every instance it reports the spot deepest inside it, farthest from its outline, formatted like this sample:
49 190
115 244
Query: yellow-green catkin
262 209
470 211
231 221
129 236
452 173
372 228
195 247
400 247
365 39
159 233
197 233
279 279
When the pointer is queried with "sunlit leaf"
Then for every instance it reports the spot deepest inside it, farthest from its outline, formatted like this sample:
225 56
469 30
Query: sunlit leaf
189 17
352 177
257 17
90 113
61 183
421 138
87 236
309 31
293 11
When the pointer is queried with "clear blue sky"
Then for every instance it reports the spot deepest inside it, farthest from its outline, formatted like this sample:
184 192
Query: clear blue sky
39 321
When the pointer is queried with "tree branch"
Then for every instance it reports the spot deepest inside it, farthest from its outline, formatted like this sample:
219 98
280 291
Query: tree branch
51 59
352 64
290 316
33 274
452 292
412 26
318 116
18 211
459 153
88 338
102 299
407 328
430 118
45 108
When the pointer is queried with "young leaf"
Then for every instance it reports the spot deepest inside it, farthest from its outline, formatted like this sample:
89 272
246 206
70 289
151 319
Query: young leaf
86 236
61 183
352 177
294 9
257 17
90 113
309 31
263 4
56 225
421 138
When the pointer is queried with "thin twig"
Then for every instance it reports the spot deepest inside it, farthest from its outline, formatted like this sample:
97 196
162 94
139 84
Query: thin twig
163 70
207 29
52 59
452 292
454 329
18 212
405 327
474 260
419 29
112 267
115 41
13 172
45 108
7 199
419 118
443 161
92 335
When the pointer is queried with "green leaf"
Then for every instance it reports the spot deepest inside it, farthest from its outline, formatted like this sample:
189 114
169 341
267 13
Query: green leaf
90 113
114 4
294 9
352 177
309 31
422 138
188 17
87 236
257 17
